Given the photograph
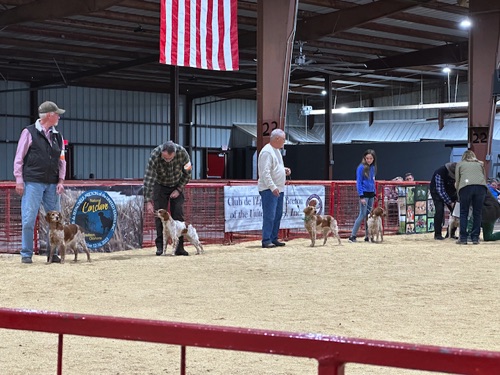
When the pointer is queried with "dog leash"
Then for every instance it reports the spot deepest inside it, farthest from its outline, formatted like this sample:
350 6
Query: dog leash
294 193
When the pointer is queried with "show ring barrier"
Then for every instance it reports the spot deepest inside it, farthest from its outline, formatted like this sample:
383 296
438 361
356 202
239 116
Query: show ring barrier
205 209
331 352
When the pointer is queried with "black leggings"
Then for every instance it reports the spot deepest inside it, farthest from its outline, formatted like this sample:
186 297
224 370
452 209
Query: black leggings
161 199
439 204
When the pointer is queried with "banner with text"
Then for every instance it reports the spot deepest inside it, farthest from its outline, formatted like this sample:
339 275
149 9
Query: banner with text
243 208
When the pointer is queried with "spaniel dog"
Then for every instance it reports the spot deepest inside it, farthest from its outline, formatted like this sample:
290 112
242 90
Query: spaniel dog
64 236
174 229
325 224
374 223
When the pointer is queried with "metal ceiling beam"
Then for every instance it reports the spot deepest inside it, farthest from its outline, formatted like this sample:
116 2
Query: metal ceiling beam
36 46
49 9
456 53
225 91
313 28
126 40
345 19
98 71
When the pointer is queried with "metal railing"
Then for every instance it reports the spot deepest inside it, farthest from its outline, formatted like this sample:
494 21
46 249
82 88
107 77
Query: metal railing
331 352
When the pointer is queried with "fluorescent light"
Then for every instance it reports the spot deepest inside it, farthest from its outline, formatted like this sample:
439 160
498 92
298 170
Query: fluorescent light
446 70
393 108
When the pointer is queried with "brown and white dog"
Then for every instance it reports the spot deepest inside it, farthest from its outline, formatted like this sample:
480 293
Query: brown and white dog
325 224
64 236
374 223
174 229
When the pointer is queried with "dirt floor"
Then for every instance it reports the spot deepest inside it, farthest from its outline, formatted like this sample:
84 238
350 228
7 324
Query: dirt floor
409 289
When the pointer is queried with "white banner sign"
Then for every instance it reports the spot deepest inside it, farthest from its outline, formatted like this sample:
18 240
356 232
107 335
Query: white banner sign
243 208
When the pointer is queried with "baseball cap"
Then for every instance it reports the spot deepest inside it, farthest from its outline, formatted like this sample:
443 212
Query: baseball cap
47 107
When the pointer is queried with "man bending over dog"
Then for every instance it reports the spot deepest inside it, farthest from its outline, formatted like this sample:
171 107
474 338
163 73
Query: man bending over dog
167 173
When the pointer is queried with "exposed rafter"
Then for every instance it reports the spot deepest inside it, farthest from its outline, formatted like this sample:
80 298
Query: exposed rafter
50 9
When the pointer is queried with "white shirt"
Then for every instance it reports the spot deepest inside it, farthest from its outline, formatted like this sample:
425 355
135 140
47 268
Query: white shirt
271 169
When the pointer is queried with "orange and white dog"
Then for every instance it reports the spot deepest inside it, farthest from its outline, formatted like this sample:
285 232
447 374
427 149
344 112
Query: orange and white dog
374 223
325 224
64 236
174 229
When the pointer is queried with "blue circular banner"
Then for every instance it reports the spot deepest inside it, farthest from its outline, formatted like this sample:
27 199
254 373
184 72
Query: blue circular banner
96 213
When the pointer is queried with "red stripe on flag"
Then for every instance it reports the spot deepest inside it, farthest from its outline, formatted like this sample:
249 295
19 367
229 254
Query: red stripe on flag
209 40
222 25
198 34
163 32
234 35
174 42
187 33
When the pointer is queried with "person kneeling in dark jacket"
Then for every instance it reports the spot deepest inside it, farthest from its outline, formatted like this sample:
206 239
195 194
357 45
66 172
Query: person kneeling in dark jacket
490 214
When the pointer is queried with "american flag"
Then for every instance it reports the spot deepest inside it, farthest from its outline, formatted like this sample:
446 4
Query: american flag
199 33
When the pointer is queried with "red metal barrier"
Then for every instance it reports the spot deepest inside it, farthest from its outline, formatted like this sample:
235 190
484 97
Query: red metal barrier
10 218
204 208
331 352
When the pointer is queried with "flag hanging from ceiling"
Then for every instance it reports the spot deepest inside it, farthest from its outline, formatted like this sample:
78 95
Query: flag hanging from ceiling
199 33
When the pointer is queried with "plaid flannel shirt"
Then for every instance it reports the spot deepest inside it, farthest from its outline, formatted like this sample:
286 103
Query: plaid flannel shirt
172 174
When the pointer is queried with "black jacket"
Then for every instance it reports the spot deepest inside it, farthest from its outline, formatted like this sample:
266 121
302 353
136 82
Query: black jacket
41 163
448 183
491 209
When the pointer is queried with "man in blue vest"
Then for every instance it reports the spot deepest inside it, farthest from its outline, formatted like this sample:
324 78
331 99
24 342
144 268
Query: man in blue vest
39 169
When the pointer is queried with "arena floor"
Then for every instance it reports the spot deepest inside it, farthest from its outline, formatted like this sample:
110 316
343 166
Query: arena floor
410 289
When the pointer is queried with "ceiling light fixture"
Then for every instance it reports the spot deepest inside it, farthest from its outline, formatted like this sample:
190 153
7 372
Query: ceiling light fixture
447 71
465 23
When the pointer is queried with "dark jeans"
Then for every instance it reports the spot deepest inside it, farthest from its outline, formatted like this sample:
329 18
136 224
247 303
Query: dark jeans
272 211
439 204
161 199
471 195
